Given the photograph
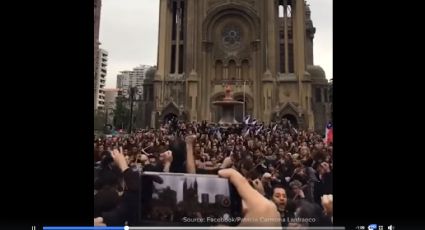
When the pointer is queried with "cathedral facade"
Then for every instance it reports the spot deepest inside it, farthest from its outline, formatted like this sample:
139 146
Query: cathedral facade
263 49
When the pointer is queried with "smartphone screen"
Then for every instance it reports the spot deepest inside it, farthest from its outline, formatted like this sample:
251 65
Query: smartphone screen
170 199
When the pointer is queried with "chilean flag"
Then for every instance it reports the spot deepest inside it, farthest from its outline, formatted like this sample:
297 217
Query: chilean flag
329 134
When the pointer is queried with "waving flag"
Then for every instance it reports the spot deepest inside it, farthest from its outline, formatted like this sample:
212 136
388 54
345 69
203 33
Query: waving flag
258 130
329 134
247 119
218 133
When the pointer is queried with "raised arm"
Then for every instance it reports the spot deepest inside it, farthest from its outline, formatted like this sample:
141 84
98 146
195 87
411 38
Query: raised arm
190 158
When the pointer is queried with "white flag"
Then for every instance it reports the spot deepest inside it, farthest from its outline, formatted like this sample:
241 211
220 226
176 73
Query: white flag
258 130
247 119
218 134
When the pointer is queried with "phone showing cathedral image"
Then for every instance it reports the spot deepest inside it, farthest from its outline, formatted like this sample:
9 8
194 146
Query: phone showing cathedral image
168 199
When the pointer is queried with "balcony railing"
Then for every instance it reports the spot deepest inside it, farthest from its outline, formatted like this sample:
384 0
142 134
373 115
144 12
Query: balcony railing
286 77
232 82
176 77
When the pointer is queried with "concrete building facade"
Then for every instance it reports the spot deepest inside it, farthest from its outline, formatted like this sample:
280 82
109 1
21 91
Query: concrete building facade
100 80
134 78
96 43
110 103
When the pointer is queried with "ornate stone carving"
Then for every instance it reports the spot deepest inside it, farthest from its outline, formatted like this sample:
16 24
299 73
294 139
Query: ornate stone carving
212 3
231 37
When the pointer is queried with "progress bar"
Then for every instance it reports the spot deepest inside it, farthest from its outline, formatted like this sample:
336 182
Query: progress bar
85 228
191 228
237 228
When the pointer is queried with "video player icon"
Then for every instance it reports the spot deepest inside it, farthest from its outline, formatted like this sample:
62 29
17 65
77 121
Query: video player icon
372 227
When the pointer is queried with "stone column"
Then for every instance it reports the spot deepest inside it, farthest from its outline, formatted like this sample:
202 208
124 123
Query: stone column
298 16
271 38
285 31
178 28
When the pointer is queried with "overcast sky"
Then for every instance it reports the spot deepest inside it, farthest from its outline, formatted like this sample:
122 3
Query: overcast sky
129 32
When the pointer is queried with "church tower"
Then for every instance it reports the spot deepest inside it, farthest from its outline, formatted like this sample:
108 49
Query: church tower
262 48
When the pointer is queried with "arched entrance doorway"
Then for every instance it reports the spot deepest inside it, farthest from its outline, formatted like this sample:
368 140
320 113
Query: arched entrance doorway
289 112
292 119
169 113
169 117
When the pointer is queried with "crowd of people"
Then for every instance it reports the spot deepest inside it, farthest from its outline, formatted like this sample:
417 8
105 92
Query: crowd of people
289 167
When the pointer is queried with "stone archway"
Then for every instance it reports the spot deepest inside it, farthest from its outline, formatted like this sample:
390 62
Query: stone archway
169 112
169 117
230 35
289 112
233 9
292 119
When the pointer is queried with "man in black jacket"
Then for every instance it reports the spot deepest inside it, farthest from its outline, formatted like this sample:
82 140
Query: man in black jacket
127 209
324 184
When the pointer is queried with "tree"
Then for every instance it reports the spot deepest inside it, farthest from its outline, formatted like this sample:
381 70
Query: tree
121 113
150 73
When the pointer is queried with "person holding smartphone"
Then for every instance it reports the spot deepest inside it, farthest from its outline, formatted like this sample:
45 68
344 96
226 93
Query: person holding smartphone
255 205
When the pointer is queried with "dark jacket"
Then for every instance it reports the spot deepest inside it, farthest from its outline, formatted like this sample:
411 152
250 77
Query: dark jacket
105 200
128 208
288 213
323 186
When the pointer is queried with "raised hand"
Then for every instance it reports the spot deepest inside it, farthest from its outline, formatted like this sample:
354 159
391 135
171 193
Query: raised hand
119 159
190 139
